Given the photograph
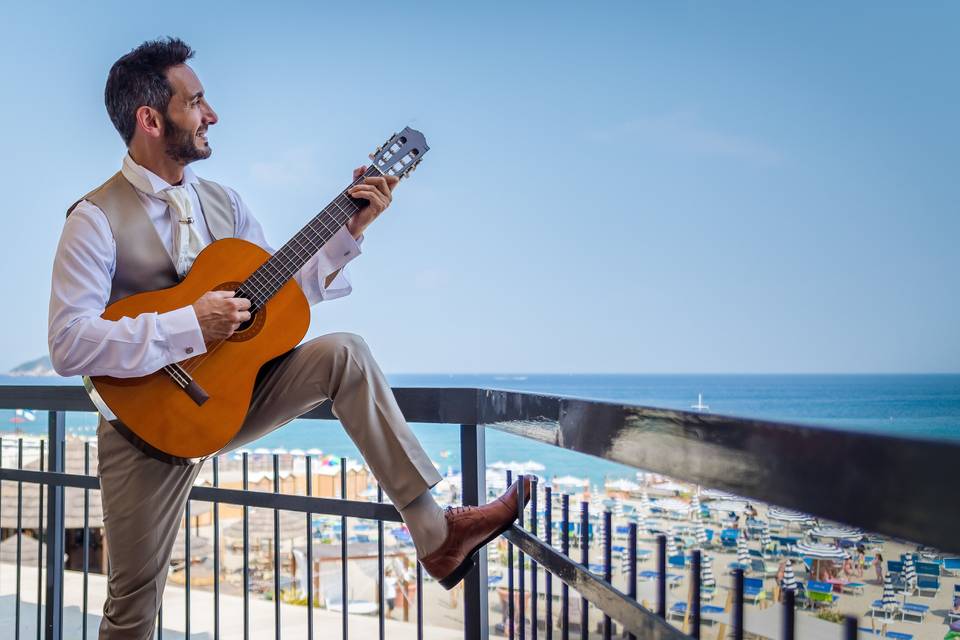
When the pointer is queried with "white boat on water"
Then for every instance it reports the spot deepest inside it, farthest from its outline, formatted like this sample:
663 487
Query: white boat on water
700 406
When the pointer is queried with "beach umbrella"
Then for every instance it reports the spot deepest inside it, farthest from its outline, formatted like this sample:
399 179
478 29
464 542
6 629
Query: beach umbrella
743 554
715 494
672 504
836 533
789 579
695 507
707 579
701 533
645 499
889 598
725 506
669 488
621 484
909 572
672 547
788 515
765 540
819 551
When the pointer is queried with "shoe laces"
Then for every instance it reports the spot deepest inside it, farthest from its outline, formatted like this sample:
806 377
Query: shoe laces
455 511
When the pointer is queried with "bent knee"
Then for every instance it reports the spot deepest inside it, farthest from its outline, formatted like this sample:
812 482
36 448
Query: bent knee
350 343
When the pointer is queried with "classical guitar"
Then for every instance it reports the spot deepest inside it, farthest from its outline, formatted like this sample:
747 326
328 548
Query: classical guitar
190 410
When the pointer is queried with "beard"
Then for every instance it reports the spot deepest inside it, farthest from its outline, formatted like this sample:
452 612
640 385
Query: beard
182 144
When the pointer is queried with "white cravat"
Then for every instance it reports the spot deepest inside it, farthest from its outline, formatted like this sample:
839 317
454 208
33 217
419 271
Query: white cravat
188 241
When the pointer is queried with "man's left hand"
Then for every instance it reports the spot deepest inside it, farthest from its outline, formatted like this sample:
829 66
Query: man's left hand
378 192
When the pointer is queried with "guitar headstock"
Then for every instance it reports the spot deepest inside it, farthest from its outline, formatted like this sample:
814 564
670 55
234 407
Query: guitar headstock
401 154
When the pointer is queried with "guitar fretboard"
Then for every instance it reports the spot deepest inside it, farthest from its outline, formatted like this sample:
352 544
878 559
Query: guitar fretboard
264 283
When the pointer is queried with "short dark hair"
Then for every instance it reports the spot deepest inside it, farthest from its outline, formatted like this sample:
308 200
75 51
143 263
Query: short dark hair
139 79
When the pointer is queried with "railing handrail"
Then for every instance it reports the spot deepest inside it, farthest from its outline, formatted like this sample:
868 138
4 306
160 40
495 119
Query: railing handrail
887 484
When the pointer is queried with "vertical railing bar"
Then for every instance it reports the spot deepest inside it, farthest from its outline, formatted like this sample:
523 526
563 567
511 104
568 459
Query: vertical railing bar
850 631
738 604
662 576
419 601
533 564
695 565
632 567
343 548
55 533
216 552
565 548
40 543
521 557
55 593
473 474
548 526
789 602
380 572
246 551
585 561
86 537
186 571
607 561
510 604
276 550
309 568
19 534
160 622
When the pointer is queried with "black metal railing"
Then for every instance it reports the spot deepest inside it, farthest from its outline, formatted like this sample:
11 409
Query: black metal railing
891 485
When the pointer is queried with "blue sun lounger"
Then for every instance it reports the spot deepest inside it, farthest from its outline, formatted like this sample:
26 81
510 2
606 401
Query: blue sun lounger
679 610
753 589
928 585
951 566
649 574
914 610
893 635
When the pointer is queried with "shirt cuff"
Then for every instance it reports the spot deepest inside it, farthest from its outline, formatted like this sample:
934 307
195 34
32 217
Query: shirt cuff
340 249
182 331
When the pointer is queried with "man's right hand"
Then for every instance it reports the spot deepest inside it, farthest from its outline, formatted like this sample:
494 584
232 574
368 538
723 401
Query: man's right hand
219 314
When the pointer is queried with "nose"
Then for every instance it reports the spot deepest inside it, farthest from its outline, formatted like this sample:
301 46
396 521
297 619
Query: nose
210 116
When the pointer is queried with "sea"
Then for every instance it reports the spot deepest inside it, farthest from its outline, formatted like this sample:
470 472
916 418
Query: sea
920 406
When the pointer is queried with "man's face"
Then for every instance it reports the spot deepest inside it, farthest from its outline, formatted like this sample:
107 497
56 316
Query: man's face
187 118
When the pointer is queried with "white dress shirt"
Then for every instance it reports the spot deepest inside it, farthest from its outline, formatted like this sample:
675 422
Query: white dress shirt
83 343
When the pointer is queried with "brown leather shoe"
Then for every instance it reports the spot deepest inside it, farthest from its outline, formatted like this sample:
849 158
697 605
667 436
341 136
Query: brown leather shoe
468 530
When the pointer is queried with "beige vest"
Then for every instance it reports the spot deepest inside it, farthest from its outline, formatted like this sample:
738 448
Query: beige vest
143 263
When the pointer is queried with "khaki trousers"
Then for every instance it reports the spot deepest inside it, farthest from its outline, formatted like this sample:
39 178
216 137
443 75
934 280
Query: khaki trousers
143 498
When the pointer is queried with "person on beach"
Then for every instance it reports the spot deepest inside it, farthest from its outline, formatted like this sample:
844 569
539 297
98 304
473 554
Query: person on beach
878 566
390 590
861 560
847 569
141 231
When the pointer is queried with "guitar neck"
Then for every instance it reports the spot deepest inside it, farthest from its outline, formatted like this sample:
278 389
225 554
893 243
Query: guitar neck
290 258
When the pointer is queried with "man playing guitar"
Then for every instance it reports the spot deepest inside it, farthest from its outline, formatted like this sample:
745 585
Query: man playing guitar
141 231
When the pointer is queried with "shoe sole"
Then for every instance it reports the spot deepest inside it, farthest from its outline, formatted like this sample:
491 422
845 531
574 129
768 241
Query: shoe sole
470 561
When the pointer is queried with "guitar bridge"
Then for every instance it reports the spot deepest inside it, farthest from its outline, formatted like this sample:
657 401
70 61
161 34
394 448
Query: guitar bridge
186 382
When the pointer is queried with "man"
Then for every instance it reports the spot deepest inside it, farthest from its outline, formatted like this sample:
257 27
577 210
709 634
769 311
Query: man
141 230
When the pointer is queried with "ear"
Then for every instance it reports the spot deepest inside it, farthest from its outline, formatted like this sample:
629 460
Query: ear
149 122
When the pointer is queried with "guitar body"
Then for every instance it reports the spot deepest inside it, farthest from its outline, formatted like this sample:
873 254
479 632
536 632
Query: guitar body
157 415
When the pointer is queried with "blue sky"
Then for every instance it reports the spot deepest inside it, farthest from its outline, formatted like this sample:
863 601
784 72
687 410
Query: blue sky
612 187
